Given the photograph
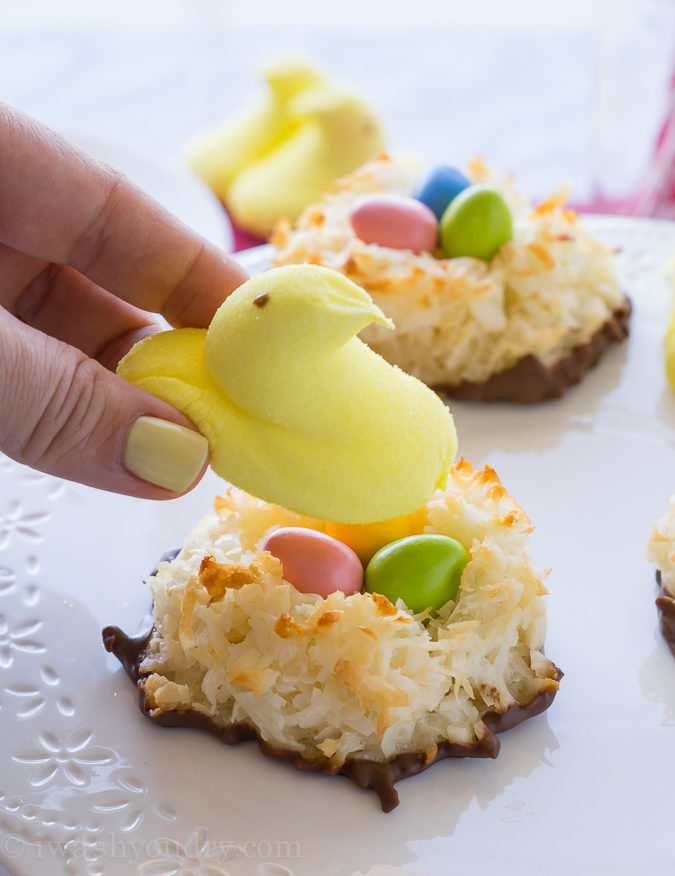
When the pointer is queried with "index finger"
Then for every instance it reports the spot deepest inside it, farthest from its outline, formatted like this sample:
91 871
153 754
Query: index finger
60 205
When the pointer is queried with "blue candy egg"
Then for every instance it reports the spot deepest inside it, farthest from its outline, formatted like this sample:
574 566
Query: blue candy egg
440 187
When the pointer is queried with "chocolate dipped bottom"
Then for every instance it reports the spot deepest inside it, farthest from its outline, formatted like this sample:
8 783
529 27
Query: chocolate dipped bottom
530 381
665 605
378 776
318 680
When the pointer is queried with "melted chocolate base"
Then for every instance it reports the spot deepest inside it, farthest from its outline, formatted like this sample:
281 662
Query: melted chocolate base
529 381
379 776
665 605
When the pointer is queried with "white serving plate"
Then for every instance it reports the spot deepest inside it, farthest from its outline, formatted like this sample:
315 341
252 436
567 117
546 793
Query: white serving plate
89 786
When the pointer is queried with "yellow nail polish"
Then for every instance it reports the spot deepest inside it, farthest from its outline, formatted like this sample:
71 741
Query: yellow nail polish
165 454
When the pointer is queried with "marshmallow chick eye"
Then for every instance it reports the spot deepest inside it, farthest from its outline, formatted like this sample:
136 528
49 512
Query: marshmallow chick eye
296 409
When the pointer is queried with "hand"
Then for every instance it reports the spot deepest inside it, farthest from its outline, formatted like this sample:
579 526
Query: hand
85 260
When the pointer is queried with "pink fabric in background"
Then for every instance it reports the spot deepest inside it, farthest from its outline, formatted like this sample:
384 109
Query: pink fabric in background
244 240
656 196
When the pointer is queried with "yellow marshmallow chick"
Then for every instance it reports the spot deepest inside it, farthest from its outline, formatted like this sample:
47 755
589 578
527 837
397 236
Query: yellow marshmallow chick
223 151
298 410
670 350
337 133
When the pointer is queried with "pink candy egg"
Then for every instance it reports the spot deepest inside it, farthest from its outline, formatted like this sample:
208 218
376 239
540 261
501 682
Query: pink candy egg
314 562
395 221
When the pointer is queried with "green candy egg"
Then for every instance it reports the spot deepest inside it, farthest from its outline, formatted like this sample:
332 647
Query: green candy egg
475 223
422 570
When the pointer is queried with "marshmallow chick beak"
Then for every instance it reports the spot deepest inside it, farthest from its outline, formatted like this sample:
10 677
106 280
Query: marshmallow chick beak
297 410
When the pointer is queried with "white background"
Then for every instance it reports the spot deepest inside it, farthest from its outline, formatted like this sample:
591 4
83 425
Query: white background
551 91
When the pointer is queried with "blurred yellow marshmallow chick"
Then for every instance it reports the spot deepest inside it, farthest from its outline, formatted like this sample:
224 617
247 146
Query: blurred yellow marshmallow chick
223 151
336 134
298 410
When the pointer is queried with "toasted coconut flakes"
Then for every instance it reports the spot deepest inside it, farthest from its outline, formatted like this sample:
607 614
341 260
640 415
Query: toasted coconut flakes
511 519
542 254
553 202
496 492
462 468
465 319
315 215
548 684
328 747
194 593
217 577
430 753
477 166
298 666
288 628
373 693
661 547
541 590
249 671
383 605
224 504
327 618
487 476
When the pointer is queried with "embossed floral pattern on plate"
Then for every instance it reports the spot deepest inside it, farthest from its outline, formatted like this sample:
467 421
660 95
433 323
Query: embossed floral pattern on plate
87 786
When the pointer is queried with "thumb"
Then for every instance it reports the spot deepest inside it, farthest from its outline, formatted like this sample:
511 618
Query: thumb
65 414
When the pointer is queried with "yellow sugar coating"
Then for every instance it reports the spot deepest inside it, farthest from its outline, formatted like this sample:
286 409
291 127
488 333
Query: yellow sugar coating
297 410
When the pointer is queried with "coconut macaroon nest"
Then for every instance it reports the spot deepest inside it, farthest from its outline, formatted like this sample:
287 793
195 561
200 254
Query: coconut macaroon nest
661 552
522 326
348 684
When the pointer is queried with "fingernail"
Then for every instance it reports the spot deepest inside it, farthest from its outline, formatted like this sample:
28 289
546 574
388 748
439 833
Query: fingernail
165 454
